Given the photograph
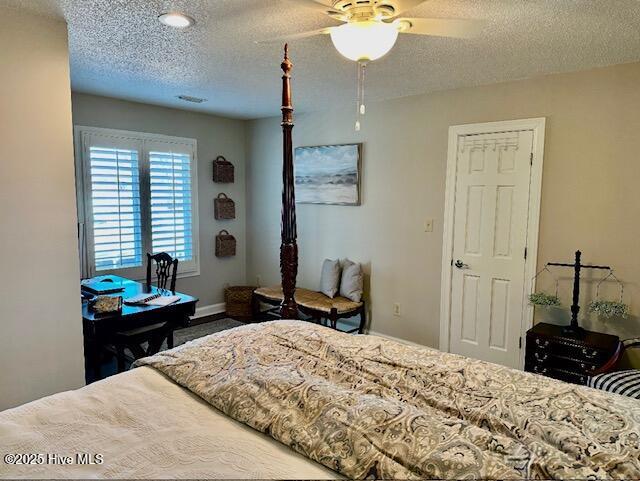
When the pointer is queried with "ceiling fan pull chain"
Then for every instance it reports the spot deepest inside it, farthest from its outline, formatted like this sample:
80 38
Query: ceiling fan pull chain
363 70
360 107
358 86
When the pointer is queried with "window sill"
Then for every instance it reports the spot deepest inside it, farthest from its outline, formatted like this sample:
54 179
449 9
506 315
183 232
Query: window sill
182 275
143 279
179 275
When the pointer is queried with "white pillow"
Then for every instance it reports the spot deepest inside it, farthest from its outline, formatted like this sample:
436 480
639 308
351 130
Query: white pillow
330 278
352 281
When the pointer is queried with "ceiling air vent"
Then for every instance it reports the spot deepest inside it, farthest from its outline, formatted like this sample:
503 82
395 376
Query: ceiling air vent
193 100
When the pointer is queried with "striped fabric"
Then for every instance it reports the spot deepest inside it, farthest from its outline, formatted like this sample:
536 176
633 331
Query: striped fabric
626 383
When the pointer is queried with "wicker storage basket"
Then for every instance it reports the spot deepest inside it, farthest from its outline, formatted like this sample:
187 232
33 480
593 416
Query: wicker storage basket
225 244
224 208
223 170
238 301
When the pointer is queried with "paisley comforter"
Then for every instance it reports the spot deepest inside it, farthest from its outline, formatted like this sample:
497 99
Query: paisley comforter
369 407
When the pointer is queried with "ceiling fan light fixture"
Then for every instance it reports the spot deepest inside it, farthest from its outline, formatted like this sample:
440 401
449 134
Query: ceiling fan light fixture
364 41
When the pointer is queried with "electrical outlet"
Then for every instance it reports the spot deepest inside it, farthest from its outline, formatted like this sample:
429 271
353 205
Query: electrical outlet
428 225
258 281
396 309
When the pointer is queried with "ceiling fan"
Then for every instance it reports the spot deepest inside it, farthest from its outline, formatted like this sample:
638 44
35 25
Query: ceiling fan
371 27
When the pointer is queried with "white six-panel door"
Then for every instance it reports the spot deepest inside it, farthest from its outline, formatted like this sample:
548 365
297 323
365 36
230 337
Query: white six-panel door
489 235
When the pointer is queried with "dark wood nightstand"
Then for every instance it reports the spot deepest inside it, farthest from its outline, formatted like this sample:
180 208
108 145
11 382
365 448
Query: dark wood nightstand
553 353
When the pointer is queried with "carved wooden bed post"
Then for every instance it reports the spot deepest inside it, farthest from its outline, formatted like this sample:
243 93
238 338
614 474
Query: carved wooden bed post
288 247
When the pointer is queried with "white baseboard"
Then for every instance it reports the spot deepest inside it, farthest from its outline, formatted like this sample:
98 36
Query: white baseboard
396 339
210 310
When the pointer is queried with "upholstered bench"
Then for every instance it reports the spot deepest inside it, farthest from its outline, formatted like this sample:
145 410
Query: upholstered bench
314 304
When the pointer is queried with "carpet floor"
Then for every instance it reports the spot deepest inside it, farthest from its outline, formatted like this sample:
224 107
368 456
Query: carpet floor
187 334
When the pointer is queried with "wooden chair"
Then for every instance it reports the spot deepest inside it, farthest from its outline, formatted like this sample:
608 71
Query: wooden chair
166 268
153 336
613 379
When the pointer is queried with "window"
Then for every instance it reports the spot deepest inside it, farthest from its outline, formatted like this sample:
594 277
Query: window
115 199
136 194
171 224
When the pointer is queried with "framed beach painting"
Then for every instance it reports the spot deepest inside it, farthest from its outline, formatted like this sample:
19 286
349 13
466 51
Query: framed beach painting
328 174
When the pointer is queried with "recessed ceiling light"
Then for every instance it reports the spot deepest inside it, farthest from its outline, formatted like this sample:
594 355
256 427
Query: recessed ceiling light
176 20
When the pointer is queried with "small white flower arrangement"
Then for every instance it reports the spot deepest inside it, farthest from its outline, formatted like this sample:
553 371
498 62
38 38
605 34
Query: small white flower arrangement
544 299
609 309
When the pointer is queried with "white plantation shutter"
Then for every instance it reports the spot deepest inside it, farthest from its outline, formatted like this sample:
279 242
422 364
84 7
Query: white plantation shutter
115 199
137 194
171 204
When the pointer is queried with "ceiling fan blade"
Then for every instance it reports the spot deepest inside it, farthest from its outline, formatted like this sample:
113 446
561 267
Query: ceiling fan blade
401 6
321 6
297 36
440 27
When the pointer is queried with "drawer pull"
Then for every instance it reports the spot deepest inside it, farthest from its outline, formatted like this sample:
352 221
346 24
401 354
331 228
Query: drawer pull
541 356
542 342
587 368
539 369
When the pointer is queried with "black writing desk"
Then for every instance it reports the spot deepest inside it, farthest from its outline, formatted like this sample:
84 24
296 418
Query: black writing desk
99 329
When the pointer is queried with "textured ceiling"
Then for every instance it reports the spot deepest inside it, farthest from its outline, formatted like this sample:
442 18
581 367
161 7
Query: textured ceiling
119 49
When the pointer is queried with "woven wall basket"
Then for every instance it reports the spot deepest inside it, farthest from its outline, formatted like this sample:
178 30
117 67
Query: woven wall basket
225 244
223 170
224 208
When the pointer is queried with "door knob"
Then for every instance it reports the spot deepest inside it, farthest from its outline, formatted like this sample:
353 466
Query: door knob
461 265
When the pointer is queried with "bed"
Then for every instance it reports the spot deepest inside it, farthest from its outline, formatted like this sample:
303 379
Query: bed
293 400
142 425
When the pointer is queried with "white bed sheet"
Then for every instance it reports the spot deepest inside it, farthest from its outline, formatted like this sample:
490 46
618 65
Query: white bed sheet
144 426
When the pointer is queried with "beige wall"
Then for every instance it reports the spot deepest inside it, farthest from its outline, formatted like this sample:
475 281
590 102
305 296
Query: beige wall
40 320
215 136
591 198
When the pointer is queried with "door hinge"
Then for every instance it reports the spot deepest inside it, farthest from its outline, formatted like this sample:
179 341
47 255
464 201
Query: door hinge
531 159
520 343
525 253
